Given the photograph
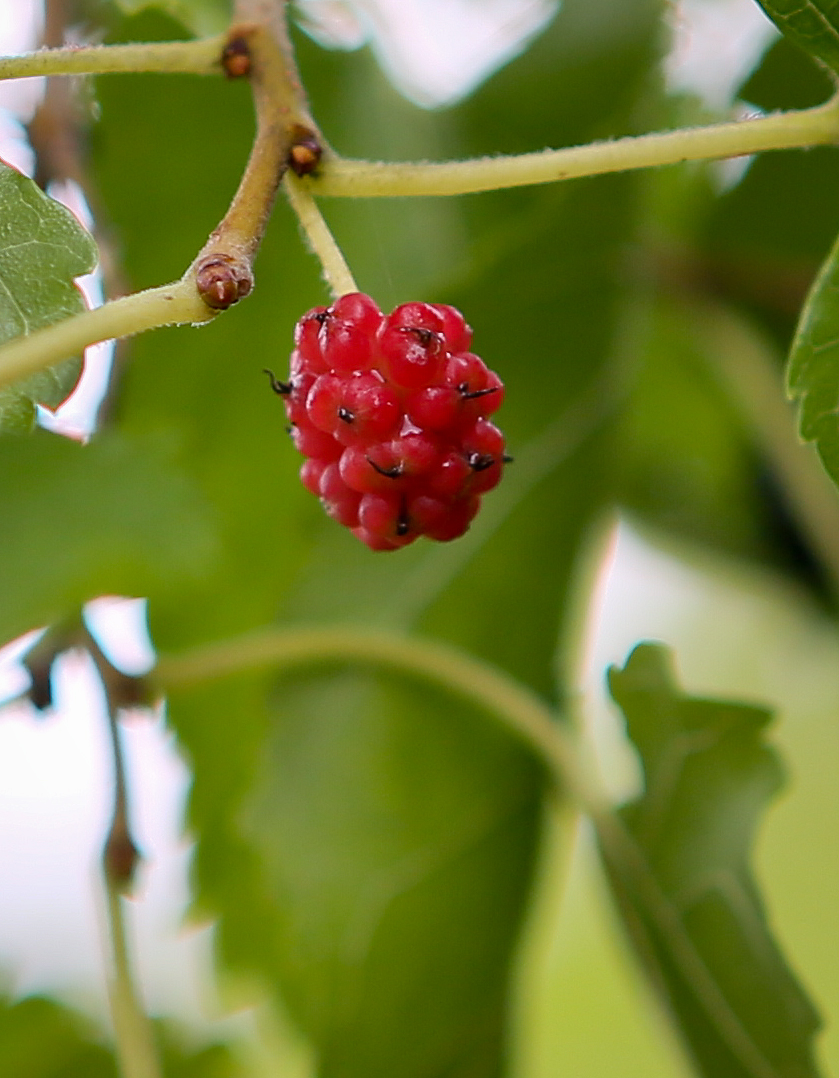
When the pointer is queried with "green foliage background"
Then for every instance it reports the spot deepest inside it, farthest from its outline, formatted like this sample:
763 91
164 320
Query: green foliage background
373 848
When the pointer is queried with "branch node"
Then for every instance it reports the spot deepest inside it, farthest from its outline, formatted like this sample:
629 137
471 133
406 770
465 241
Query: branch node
305 151
223 280
236 58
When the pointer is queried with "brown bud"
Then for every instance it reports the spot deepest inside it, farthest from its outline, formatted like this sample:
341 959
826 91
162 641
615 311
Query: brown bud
236 58
305 151
222 280
120 858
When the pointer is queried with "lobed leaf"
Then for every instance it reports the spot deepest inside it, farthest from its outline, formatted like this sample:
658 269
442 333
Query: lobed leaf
42 249
690 901
813 25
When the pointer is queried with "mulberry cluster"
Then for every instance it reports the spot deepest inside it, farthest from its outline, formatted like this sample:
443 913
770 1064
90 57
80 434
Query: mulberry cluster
391 414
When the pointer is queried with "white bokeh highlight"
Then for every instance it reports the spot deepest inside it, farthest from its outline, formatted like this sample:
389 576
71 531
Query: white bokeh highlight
434 51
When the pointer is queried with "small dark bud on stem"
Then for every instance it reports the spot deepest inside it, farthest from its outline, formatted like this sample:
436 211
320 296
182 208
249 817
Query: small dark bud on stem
236 58
222 281
305 151
121 858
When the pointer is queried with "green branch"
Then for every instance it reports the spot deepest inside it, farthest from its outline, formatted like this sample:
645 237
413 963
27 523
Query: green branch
222 272
172 304
787 130
135 1045
172 57
284 649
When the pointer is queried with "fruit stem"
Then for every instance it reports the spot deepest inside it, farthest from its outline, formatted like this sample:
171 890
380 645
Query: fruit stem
335 268
202 57
786 130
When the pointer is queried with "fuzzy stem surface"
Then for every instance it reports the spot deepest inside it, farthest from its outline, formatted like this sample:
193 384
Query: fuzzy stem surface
788 130
171 57
335 269
172 304
281 106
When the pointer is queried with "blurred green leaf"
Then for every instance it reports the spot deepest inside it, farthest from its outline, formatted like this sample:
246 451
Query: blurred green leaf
179 1060
703 934
200 16
396 830
786 78
687 462
814 366
760 247
813 26
42 249
41 1039
112 517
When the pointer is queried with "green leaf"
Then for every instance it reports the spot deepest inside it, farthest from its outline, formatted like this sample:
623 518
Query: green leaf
764 248
813 373
396 830
180 1060
686 464
112 517
42 249
41 1039
202 17
786 78
812 25
693 906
